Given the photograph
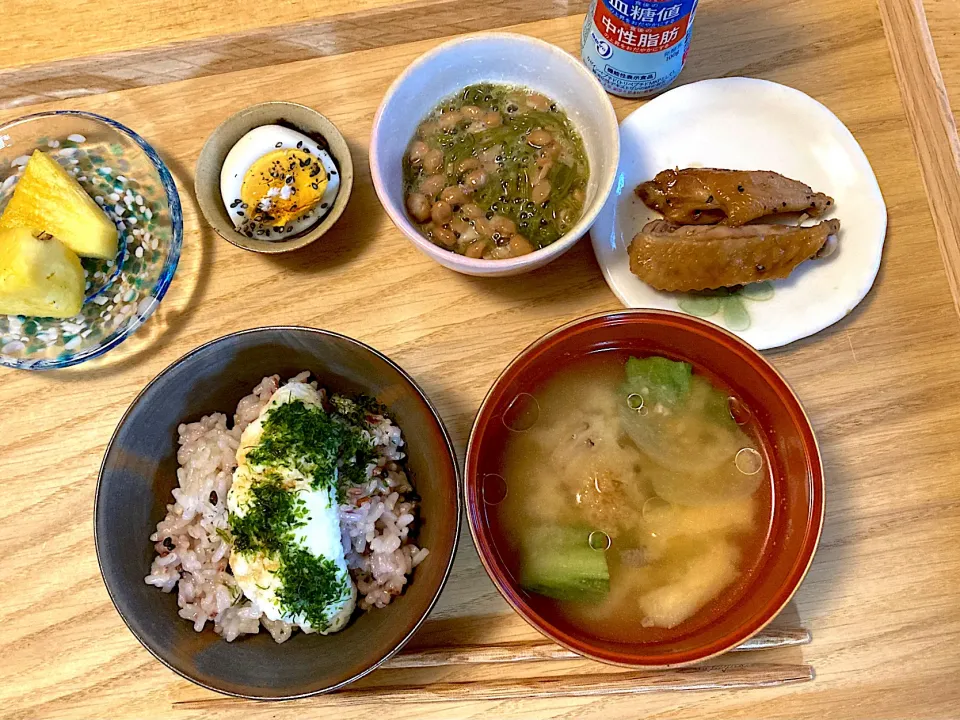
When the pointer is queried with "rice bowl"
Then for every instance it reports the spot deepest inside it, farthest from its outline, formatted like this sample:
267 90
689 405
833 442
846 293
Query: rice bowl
139 475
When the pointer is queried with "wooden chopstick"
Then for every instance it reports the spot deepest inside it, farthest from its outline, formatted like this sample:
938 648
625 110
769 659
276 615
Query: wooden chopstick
542 649
709 677
715 677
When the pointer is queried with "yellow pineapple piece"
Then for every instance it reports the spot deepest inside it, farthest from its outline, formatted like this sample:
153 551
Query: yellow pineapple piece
47 198
39 275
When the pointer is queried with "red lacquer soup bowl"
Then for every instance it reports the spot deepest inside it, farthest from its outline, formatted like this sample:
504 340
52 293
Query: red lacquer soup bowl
796 486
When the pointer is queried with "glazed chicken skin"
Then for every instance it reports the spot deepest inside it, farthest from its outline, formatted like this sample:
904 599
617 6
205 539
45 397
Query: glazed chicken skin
694 257
703 196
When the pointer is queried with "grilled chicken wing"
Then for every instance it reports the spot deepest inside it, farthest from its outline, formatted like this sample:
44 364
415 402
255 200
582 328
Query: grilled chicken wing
729 197
693 257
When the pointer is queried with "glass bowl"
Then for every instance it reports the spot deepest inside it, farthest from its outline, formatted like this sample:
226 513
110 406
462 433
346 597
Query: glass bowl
134 187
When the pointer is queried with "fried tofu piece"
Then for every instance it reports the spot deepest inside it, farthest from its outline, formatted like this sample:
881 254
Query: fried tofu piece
705 196
696 257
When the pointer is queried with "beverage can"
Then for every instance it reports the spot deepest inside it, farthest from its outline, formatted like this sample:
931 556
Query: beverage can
637 47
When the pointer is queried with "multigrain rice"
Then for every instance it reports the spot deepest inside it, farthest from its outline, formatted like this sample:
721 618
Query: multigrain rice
192 541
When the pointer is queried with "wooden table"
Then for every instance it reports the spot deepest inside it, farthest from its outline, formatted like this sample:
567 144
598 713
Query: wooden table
883 596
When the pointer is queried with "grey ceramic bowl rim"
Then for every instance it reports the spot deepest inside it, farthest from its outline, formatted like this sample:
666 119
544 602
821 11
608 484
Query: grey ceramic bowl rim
310 236
458 478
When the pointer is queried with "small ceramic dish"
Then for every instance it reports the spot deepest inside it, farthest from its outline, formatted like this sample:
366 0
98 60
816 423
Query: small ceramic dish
748 124
139 471
501 58
131 183
797 484
290 115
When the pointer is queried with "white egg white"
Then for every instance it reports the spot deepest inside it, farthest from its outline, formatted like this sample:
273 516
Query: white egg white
254 145
255 573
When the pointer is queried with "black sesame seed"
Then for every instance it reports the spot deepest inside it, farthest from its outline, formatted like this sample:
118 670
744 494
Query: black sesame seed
784 204
279 144
829 202
240 213
739 188
289 180
234 204
315 186
710 199
299 144
244 206
761 268
213 497
168 543
323 206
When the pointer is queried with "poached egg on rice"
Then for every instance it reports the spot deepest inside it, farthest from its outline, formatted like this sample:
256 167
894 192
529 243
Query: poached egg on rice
287 555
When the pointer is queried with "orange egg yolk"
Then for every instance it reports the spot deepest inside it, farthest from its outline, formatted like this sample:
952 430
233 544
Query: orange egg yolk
283 186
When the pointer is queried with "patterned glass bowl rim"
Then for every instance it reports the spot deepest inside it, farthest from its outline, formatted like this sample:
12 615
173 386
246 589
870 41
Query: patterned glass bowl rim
169 267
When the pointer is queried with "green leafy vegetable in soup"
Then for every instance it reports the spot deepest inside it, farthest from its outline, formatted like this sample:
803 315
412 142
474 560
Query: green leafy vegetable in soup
495 172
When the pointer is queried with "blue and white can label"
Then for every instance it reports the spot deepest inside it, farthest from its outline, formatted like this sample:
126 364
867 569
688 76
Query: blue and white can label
637 47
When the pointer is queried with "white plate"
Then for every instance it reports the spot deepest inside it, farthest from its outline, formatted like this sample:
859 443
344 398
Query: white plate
748 124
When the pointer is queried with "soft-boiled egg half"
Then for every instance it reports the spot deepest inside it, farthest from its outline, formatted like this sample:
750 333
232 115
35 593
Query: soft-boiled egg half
277 183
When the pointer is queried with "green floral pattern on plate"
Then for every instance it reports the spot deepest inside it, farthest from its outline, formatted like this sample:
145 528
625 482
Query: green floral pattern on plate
727 303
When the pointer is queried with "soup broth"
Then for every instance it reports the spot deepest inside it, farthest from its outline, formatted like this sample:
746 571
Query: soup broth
636 506
495 172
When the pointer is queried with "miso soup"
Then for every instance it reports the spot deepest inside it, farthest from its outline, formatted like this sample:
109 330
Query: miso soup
638 497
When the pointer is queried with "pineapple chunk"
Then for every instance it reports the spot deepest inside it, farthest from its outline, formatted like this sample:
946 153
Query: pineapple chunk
39 275
47 198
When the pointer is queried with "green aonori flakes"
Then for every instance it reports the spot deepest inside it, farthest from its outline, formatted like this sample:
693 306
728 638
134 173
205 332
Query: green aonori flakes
332 449
310 584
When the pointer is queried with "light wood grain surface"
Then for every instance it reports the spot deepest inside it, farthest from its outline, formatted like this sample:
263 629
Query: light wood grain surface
231 49
943 17
42 31
882 599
